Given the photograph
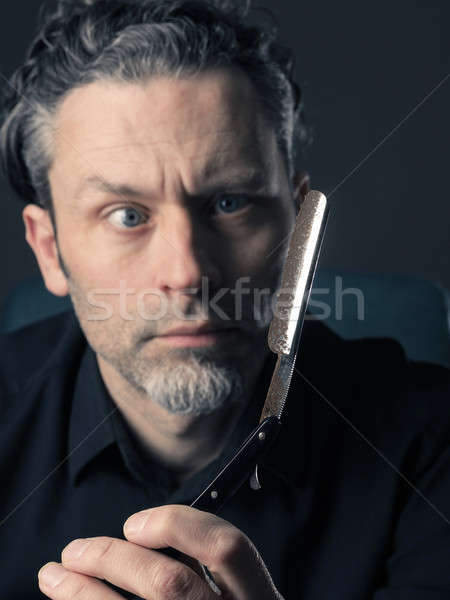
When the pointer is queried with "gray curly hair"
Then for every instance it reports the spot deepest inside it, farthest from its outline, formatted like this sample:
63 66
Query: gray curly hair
130 40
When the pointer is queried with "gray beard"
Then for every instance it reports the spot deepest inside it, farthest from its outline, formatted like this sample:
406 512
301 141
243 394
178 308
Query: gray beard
192 385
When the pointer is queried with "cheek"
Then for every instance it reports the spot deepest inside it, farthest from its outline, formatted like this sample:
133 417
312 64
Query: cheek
263 252
93 263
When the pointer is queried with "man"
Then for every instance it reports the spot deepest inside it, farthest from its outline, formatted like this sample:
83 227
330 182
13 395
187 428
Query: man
153 142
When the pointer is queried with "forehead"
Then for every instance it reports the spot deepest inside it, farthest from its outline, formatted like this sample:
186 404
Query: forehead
197 125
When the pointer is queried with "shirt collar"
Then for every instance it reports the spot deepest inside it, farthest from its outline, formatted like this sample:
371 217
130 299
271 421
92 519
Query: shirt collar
93 411
90 428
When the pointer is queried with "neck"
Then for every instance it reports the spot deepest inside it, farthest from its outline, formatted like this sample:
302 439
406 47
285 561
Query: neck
184 444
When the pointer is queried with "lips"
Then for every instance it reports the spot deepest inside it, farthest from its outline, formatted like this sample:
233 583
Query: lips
201 329
204 335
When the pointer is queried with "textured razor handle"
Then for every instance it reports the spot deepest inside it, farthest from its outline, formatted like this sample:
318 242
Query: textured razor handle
298 273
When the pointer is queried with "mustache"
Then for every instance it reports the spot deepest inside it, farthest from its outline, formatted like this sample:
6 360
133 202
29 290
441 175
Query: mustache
161 329
243 308
195 316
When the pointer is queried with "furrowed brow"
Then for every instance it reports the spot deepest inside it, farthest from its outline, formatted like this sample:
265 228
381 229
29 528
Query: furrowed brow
99 184
244 179
239 179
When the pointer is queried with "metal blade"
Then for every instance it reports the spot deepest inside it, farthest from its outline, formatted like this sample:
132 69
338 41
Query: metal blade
278 388
293 297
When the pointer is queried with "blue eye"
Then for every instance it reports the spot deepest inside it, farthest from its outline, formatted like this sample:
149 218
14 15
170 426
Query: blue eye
129 219
231 203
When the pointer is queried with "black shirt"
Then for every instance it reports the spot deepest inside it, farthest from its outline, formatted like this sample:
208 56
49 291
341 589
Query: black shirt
355 498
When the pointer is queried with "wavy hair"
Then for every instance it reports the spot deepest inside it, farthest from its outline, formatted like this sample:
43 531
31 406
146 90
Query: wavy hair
83 41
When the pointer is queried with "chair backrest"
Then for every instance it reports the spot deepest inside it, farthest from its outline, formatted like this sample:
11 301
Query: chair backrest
28 302
412 311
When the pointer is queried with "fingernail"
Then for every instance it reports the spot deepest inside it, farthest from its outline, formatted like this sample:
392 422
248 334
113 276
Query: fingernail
135 523
52 575
75 549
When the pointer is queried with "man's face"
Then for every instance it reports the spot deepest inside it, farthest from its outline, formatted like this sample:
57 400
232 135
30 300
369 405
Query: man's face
158 189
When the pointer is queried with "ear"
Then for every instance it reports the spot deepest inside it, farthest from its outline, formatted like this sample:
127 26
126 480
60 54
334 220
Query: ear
41 237
301 186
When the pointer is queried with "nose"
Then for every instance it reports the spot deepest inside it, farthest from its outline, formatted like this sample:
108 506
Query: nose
181 253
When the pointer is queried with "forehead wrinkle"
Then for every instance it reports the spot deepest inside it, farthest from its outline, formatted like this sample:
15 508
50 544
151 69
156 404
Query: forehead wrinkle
217 167
216 157
193 156
150 143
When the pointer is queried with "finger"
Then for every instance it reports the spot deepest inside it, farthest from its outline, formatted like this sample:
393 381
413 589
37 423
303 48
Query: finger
60 584
228 553
192 563
143 572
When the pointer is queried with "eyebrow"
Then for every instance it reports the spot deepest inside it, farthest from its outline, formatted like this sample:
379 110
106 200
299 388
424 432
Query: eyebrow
100 184
247 179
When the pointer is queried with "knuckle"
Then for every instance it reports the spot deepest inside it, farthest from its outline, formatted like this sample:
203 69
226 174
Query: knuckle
141 575
79 590
73 586
229 546
168 523
169 517
104 546
174 582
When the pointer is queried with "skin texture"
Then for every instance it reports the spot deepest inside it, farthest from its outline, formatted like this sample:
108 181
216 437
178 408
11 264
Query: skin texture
177 154
231 558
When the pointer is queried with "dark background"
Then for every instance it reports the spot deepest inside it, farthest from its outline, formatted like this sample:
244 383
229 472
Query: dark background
363 68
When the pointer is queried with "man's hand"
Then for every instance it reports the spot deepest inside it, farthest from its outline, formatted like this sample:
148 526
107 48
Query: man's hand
136 565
